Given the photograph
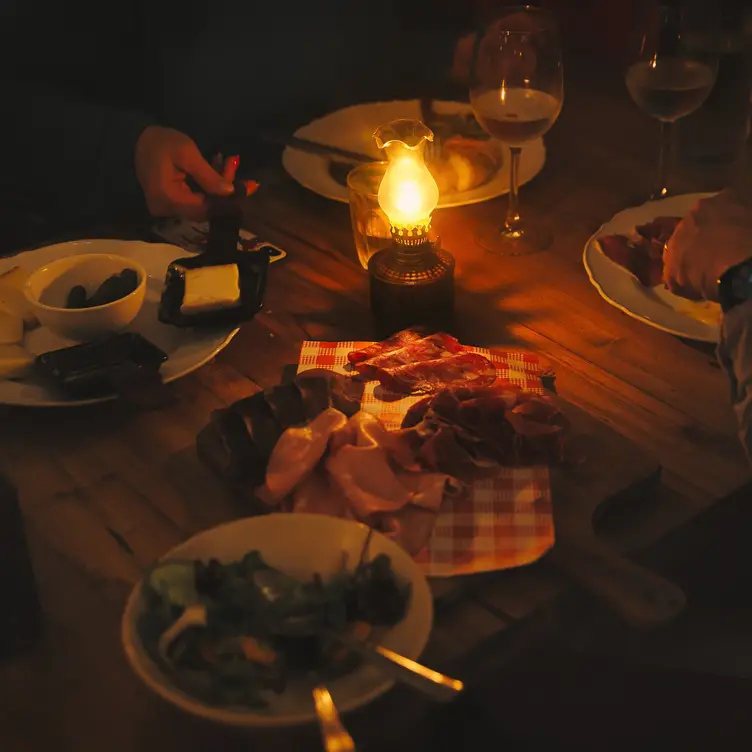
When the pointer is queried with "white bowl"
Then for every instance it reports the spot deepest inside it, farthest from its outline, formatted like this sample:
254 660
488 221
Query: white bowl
47 291
300 545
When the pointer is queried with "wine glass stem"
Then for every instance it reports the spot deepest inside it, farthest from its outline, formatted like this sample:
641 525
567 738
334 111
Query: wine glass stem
513 212
664 163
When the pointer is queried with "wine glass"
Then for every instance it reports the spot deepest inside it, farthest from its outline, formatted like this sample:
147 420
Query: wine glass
667 76
516 91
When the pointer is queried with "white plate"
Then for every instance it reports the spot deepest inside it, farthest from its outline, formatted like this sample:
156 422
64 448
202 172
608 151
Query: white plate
300 545
353 129
187 349
657 307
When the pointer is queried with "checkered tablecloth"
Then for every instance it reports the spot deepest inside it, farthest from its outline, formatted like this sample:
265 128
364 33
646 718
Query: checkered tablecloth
506 522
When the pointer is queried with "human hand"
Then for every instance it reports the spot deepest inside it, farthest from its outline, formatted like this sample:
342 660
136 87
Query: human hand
713 237
165 159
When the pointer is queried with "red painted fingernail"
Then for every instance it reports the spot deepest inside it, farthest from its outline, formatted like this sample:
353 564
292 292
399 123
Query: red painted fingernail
251 186
235 161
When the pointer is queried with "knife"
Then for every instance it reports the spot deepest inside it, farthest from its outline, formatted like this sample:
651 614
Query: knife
314 147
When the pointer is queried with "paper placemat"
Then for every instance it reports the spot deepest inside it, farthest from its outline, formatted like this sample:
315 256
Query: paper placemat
501 523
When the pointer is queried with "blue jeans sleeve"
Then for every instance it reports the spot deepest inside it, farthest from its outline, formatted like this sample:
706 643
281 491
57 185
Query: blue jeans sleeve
735 355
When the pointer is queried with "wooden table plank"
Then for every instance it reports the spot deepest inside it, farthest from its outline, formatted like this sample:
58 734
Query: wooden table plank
107 490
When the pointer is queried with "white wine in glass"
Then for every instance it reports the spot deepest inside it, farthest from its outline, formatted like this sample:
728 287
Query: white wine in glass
667 78
516 93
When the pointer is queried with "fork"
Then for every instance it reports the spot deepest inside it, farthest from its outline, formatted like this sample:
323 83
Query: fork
336 738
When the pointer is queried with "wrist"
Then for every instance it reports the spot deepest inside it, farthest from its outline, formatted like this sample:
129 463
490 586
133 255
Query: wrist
734 285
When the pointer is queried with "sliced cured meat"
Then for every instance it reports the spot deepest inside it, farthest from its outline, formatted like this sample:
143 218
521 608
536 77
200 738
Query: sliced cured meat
298 451
469 433
430 489
366 478
315 394
394 342
462 369
642 253
428 348
286 404
638 258
345 393
316 494
410 527
660 228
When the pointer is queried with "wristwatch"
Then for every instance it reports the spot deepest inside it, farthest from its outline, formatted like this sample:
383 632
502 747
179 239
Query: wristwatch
735 285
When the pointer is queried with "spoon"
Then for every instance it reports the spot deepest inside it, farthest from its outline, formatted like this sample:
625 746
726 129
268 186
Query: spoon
273 584
336 738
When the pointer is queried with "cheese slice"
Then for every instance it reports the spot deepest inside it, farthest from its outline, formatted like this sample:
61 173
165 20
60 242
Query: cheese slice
12 297
11 328
212 288
15 362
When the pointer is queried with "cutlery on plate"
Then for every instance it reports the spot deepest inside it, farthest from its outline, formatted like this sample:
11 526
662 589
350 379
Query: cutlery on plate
274 584
404 670
314 147
334 734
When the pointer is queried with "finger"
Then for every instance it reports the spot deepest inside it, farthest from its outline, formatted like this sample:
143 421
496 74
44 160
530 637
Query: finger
683 290
183 202
230 168
190 161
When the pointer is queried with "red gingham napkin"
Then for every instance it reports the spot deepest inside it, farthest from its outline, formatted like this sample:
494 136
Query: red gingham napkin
502 523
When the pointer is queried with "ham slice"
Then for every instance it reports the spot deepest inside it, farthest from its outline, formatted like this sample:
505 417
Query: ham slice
461 369
297 453
395 342
430 489
418 351
357 469
316 494
366 478
411 527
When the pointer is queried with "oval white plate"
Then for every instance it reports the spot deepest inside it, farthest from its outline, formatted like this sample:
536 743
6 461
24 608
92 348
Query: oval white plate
657 307
187 349
300 545
353 128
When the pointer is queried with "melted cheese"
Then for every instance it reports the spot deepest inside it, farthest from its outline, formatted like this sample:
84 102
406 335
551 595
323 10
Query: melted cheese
705 312
15 362
11 328
212 288
12 297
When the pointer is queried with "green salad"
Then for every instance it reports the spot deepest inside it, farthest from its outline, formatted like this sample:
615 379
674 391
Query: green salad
263 627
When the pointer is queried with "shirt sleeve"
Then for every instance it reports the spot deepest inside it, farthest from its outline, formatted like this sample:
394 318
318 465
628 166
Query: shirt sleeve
735 355
69 157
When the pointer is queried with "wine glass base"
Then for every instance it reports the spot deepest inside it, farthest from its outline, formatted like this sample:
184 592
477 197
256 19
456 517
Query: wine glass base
520 241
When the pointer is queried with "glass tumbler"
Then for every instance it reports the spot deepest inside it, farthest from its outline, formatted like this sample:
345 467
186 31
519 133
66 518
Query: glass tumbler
370 226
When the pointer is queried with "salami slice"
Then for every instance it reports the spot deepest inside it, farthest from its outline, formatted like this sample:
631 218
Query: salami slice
637 258
460 369
395 342
642 252
428 348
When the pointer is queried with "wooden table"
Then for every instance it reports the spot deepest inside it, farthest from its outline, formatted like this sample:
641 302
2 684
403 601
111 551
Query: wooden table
106 490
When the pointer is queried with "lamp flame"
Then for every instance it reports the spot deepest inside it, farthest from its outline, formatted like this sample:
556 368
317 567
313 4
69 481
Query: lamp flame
408 193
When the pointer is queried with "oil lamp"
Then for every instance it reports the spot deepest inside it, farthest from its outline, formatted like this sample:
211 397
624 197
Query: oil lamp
411 280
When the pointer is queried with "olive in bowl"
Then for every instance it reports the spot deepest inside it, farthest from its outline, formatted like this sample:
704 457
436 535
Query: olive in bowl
87 296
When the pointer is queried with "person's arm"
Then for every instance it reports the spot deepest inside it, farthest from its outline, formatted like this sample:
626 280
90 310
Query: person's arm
735 355
67 156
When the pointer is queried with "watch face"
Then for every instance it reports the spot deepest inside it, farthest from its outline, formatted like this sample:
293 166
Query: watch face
735 286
